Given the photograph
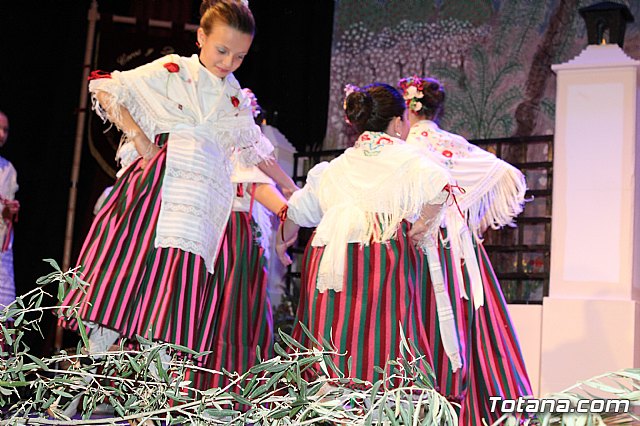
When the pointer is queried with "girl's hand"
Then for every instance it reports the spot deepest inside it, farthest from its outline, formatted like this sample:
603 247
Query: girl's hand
288 191
282 246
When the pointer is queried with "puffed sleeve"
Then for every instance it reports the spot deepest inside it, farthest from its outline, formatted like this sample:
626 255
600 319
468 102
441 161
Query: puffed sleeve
304 206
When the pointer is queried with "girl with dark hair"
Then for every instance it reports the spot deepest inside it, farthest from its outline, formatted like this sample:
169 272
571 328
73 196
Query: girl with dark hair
489 362
151 252
360 271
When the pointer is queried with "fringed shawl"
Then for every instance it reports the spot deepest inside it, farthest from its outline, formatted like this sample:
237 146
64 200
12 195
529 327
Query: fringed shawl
364 195
208 121
494 190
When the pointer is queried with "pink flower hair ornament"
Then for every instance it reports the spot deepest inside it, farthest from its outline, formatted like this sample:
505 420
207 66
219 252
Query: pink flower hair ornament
253 102
413 91
348 89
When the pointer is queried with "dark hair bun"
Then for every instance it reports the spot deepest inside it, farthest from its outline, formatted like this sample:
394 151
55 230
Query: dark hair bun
358 107
433 99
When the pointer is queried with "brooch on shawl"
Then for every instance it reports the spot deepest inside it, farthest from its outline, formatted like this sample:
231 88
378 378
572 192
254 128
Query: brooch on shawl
371 143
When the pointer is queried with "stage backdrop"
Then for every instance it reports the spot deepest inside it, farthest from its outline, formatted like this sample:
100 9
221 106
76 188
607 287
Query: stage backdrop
494 57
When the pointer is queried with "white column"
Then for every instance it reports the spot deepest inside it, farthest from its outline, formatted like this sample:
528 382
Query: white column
591 319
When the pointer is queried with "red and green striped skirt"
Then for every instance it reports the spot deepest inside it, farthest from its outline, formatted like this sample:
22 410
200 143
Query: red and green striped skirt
493 364
364 320
136 288
243 319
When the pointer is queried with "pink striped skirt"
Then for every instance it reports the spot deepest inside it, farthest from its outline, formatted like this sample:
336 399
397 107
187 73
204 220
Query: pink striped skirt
363 321
243 320
136 288
493 364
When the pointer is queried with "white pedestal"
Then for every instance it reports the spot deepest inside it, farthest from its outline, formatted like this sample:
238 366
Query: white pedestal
590 319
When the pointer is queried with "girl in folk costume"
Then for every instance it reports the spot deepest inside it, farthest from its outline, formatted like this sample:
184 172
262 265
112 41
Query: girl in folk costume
360 271
244 319
476 353
9 207
151 251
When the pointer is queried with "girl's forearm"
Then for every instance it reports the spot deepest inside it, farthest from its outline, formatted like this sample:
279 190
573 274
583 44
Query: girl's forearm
269 196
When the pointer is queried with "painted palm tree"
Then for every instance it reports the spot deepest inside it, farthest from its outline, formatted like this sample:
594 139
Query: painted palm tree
481 104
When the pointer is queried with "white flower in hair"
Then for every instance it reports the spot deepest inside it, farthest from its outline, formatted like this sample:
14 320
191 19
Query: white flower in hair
245 2
413 92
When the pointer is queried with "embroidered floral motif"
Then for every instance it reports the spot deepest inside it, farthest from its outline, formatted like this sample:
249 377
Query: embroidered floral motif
372 142
235 101
172 67
441 142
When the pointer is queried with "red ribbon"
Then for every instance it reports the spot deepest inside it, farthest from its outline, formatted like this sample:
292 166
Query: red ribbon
449 188
282 215
96 74
253 196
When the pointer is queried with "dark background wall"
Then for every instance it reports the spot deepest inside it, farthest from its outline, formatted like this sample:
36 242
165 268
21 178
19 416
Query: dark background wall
41 53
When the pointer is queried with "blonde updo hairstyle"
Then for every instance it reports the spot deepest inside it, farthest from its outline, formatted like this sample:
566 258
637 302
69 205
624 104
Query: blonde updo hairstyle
230 12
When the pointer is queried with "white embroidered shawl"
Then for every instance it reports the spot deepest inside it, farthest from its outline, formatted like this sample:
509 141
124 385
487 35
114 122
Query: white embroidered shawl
362 196
494 190
207 122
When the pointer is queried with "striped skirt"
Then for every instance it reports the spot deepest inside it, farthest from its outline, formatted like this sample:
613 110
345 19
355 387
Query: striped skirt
243 320
136 288
363 321
492 360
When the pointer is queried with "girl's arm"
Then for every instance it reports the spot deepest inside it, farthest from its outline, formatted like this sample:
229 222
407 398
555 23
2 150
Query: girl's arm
430 212
125 122
272 169
269 196
286 236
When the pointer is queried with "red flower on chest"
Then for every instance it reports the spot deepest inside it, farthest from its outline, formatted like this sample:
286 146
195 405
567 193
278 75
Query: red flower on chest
235 101
447 153
172 67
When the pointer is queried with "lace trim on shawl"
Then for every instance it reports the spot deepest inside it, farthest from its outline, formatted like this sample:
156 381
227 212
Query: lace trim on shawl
246 144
